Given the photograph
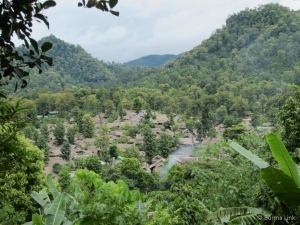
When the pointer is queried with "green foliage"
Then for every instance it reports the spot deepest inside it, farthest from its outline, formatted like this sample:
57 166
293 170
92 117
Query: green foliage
289 117
113 151
149 145
64 178
65 151
137 104
106 203
88 126
109 108
137 177
79 163
20 181
243 215
231 120
112 117
53 212
165 144
71 132
123 139
152 60
105 156
102 141
93 163
78 115
284 182
44 131
221 113
42 143
132 152
59 132
56 167
31 133
14 64
212 132
234 131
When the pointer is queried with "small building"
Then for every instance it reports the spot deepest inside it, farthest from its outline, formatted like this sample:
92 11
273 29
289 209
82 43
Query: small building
39 117
52 113
157 158
146 167
248 113
267 124
190 159
263 129
141 115
158 164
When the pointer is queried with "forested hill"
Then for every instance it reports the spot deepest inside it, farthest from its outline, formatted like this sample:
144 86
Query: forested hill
74 68
256 44
152 60
260 45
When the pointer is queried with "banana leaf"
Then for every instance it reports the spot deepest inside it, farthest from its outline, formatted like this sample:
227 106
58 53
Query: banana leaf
282 185
285 161
243 215
36 220
249 155
52 187
42 198
55 215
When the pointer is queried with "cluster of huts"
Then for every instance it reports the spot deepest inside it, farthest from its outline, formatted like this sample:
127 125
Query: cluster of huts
84 147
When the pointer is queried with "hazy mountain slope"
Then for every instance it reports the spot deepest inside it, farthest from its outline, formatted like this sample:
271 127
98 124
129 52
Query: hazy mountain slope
151 60
257 44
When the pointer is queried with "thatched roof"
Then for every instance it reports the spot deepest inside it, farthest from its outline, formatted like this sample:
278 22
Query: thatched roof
124 146
158 165
187 141
157 158
138 137
55 152
146 167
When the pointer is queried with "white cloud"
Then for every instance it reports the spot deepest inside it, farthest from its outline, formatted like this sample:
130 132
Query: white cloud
144 27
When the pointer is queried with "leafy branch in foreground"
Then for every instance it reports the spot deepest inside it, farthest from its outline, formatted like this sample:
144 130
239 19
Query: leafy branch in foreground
90 201
11 122
16 18
241 215
102 5
284 182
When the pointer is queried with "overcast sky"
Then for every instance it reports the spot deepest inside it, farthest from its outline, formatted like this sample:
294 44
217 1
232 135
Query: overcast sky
144 27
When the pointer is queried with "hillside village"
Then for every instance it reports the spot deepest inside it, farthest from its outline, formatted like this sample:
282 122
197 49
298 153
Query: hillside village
84 147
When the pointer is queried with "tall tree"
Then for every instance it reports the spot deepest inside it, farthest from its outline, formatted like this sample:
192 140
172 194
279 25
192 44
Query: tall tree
71 132
290 119
88 126
149 145
93 163
16 205
65 151
59 132
42 144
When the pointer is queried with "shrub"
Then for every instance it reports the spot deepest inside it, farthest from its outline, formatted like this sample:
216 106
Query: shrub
56 168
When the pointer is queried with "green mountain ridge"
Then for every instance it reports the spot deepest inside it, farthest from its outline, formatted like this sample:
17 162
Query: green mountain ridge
73 68
152 60
259 44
